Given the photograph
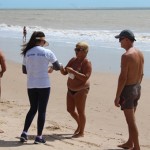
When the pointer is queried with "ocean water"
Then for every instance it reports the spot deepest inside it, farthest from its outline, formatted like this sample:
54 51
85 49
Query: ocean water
64 28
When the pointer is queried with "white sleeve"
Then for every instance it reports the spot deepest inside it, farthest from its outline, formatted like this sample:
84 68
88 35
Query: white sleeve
51 56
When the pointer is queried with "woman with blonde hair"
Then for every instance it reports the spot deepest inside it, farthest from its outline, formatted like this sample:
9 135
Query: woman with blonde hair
79 70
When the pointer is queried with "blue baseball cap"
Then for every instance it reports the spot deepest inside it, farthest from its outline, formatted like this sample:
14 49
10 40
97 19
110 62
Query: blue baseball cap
126 33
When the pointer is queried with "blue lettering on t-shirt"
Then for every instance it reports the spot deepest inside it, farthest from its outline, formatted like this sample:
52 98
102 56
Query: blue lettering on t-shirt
30 55
38 54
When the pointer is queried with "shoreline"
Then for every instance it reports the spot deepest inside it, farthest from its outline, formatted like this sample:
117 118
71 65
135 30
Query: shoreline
104 59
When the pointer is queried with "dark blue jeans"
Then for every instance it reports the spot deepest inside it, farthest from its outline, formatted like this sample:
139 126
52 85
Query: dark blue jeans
38 98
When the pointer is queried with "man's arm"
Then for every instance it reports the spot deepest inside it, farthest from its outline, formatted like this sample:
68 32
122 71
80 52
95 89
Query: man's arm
3 64
122 79
142 69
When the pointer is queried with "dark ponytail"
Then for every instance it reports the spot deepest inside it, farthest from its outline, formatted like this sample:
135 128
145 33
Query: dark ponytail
32 42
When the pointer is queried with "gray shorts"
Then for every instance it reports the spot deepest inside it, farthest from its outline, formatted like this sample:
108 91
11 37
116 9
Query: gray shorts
130 96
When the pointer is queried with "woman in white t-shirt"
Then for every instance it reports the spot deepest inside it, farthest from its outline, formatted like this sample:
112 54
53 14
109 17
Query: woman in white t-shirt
35 64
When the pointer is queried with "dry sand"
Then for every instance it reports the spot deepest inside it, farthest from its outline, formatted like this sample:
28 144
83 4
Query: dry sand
105 126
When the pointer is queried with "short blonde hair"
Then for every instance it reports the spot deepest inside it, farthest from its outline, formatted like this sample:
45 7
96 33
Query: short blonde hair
82 45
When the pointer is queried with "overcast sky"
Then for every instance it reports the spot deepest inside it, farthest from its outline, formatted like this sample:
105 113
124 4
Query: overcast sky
72 4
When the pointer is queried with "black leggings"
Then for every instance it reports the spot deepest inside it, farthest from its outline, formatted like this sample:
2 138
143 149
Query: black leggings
38 98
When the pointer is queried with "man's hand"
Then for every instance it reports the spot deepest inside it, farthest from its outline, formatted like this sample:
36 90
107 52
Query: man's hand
1 74
116 102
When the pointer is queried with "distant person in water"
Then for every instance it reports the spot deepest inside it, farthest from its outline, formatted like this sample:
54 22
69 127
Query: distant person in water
24 33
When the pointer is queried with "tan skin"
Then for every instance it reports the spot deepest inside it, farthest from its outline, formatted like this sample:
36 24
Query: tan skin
80 83
132 63
3 69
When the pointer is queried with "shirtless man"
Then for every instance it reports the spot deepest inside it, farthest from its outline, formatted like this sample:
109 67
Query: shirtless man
79 70
2 70
129 89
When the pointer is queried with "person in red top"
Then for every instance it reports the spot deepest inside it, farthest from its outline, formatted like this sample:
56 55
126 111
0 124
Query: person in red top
79 70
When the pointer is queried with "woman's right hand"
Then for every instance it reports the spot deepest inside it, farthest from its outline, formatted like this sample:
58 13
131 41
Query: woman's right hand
69 70
50 69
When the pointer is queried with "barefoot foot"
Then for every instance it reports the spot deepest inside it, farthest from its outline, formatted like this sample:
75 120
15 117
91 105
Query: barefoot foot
78 135
134 148
77 131
125 146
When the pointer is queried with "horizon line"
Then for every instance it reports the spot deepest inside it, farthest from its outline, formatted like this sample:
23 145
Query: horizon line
102 8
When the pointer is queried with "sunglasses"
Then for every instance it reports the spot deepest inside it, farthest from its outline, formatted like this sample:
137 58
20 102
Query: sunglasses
78 49
120 39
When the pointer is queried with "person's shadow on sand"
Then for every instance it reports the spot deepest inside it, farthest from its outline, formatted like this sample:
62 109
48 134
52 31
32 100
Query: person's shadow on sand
4 143
54 137
49 138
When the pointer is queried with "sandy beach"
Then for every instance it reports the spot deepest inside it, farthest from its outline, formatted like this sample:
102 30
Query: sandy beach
105 126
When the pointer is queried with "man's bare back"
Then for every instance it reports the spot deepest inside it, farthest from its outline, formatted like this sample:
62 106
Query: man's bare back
132 66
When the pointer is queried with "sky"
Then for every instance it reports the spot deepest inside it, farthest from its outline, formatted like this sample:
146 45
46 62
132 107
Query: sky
72 4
